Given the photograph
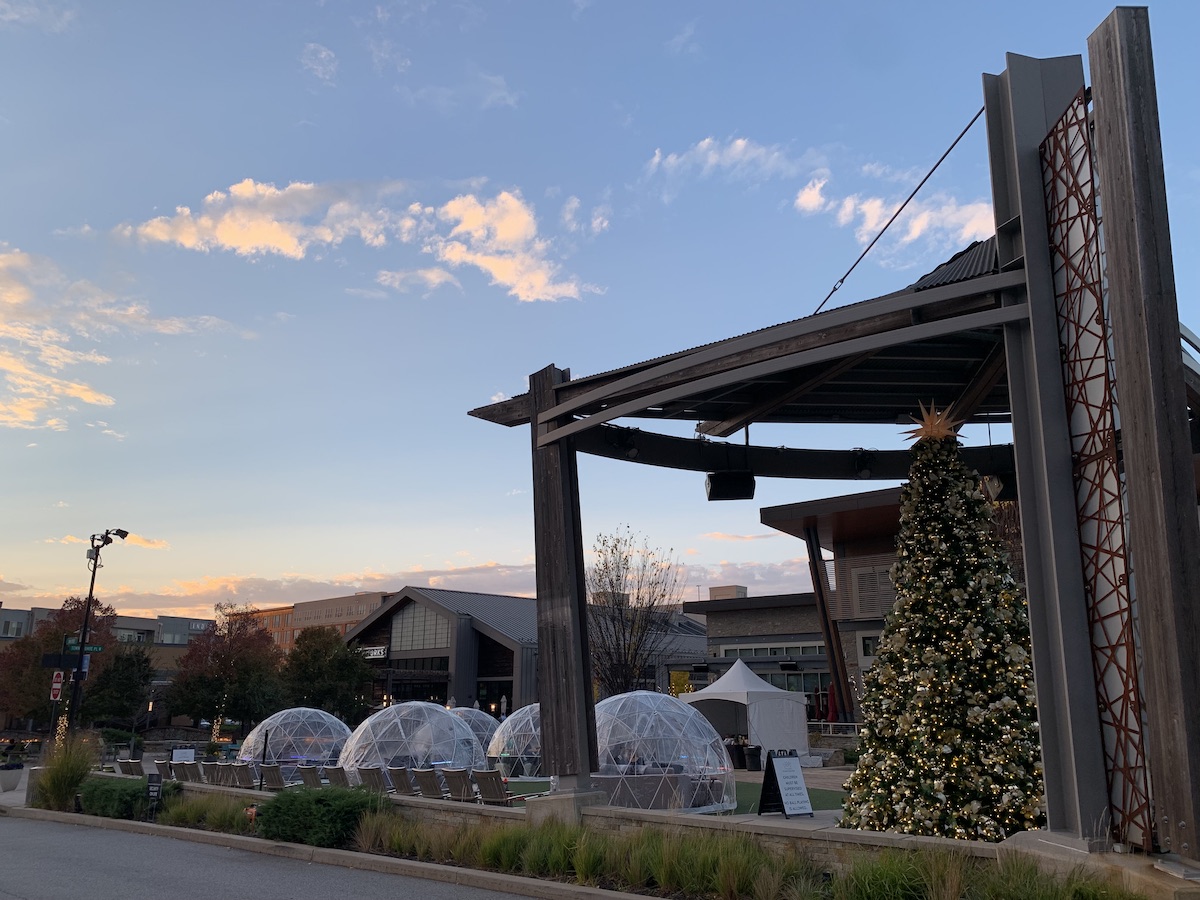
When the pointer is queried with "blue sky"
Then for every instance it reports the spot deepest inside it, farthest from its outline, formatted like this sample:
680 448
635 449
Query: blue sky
257 260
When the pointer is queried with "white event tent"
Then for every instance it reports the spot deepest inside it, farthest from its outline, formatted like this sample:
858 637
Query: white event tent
774 719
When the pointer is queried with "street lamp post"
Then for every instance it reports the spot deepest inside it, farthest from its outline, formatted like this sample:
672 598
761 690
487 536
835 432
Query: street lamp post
93 555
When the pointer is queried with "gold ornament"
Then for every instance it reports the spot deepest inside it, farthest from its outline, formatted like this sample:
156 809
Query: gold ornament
934 424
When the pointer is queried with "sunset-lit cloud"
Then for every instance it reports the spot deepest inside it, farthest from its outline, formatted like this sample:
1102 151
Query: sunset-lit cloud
138 540
722 536
50 323
939 218
496 235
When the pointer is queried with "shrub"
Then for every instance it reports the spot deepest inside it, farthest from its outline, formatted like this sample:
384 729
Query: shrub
120 798
324 817
63 775
214 812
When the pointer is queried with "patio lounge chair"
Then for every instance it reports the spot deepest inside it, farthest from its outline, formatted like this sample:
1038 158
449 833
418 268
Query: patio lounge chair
429 784
493 791
371 777
271 777
459 785
127 767
211 775
401 781
310 776
164 769
336 776
243 776
193 772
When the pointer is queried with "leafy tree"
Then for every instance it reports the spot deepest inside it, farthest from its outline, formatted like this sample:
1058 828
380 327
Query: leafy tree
232 670
323 673
950 742
633 591
121 690
25 684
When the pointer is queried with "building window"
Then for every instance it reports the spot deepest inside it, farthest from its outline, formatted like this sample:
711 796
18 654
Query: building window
418 628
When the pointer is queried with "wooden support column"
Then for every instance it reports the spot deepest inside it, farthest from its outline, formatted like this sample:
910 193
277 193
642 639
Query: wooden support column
1022 105
829 628
564 661
1164 537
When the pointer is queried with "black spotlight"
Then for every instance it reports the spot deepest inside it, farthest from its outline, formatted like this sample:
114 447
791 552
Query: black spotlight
729 485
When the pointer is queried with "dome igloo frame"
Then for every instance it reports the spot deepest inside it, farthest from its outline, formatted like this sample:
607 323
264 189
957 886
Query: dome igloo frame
516 747
656 752
300 736
414 734
483 724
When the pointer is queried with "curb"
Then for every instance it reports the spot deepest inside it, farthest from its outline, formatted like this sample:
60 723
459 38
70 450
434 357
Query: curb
347 859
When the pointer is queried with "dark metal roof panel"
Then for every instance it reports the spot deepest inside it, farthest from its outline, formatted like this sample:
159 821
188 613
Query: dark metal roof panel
513 616
975 261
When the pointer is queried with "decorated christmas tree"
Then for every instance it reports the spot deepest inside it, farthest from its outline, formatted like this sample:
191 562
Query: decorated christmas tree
950 742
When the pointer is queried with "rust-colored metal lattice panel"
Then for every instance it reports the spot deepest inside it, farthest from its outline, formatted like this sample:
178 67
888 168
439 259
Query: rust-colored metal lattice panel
1071 206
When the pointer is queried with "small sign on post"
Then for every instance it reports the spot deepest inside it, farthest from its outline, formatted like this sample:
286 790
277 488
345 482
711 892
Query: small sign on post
153 793
56 683
783 788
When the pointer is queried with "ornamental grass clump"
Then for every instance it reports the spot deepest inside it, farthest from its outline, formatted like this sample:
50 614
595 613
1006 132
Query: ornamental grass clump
950 743
64 773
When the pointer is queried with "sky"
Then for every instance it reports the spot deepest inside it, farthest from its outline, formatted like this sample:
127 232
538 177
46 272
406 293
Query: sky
259 259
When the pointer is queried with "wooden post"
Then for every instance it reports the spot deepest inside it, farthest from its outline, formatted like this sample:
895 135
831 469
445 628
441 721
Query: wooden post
1164 537
564 661
829 628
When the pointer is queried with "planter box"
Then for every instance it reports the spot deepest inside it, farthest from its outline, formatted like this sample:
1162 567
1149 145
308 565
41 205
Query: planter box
10 778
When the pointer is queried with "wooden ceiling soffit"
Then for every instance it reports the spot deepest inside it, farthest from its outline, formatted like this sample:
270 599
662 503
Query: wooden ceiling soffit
780 398
989 318
699 455
990 371
871 317
882 313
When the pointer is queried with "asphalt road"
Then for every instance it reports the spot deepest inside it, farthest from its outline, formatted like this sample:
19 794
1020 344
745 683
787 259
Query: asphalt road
52 861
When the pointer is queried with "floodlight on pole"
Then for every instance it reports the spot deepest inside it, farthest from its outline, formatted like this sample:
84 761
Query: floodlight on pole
93 556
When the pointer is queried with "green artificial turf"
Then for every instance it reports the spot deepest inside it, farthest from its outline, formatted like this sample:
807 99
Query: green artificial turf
748 793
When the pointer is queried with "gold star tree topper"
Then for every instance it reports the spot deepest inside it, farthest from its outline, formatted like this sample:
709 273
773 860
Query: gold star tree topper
934 423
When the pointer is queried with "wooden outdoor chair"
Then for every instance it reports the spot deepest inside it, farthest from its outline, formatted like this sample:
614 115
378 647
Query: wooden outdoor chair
371 777
401 781
493 791
224 774
271 777
164 769
336 776
429 784
310 776
126 767
243 776
459 785
193 772
211 775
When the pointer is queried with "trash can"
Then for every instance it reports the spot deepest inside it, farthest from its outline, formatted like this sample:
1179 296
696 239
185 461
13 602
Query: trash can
737 753
753 759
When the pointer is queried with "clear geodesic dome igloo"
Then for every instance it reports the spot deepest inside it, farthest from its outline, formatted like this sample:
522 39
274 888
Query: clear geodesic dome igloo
656 752
516 747
295 737
414 734
483 724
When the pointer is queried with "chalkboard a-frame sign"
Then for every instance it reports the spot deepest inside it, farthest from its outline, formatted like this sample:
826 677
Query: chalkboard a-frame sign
783 788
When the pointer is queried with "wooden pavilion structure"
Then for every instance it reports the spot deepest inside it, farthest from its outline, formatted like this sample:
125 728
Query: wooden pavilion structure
1015 329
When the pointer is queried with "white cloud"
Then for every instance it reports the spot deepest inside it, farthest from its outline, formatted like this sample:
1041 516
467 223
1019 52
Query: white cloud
684 41
809 199
479 91
50 17
50 324
320 61
429 279
734 159
386 57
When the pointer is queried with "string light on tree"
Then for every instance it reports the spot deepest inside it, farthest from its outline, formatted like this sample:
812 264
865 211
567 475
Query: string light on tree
950 742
